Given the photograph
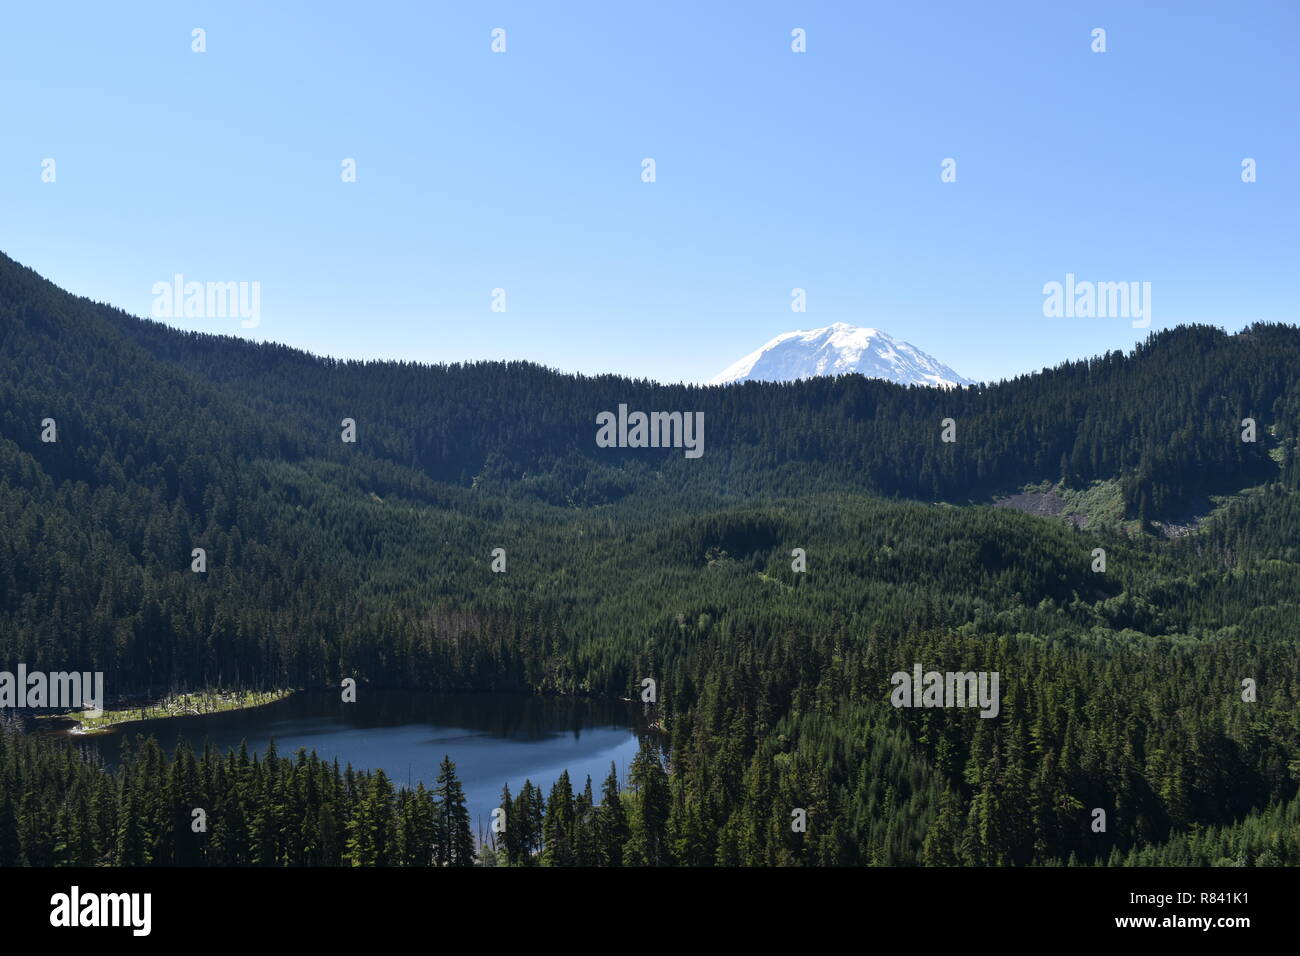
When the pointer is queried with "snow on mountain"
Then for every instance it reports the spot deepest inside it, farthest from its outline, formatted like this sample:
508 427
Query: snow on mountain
837 350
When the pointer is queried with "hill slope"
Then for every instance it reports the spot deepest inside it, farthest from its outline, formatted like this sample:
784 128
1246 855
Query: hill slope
1165 419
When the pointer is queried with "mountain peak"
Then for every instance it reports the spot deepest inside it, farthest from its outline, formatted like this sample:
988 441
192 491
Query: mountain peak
838 349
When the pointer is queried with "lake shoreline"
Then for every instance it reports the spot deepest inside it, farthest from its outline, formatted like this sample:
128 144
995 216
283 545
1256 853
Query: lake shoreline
494 739
74 726
200 703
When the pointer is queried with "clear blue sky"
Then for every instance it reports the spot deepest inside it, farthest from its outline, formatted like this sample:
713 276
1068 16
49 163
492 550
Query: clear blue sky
775 170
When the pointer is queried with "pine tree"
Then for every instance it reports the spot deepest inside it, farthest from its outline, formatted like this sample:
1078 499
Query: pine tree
584 822
648 844
130 843
457 846
611 822
511 836
558 826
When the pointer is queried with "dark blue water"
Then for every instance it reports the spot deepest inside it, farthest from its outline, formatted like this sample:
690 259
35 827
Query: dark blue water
493 739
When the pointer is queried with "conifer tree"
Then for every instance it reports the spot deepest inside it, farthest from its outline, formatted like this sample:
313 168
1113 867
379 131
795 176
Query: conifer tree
612 831
457 836
648 843
558 826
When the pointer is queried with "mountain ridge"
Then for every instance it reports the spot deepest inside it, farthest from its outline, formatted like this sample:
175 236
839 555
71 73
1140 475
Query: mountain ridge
126 385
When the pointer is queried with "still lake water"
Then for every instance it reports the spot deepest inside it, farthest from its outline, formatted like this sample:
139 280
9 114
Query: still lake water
493 739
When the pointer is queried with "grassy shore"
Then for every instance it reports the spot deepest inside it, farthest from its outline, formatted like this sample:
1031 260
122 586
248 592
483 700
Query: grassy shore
180 705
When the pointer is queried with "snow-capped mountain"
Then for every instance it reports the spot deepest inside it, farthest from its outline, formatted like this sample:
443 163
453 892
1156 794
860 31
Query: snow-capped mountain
836 350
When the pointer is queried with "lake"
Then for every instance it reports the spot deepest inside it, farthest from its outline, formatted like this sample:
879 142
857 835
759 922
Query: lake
493 739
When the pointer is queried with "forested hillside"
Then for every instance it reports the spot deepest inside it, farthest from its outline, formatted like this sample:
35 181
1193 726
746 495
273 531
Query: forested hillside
1121 689
172 411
